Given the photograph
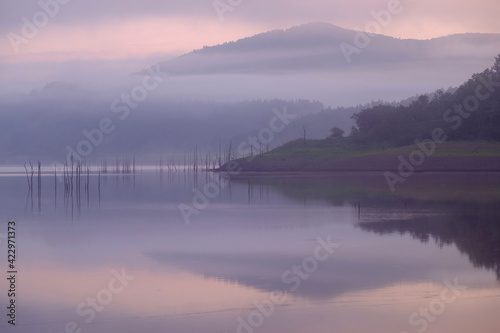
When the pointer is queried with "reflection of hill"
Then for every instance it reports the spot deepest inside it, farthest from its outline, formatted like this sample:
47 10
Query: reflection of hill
339 275
475 233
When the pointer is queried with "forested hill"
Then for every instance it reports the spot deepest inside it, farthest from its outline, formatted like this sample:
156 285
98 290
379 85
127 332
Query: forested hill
470 113
385 135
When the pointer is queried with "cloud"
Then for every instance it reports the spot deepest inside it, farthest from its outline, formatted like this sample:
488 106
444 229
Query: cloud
90 12
118 39
419 19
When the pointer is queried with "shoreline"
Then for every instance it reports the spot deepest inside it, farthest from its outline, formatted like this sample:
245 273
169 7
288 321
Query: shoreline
345 172
378 163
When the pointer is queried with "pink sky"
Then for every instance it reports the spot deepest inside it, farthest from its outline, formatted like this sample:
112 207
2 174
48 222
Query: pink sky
121 30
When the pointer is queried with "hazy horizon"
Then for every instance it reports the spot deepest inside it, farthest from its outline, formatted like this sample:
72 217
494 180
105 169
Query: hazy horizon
345 84
101 44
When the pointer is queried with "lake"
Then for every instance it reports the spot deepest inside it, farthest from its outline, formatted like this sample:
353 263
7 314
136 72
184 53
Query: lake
198 252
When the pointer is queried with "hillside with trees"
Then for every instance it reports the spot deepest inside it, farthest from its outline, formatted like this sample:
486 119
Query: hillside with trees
470 113
467 120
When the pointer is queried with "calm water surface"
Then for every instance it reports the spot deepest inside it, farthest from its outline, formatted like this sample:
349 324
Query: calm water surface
313 253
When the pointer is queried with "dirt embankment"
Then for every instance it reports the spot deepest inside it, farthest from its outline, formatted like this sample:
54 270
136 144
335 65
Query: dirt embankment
371 163
309 157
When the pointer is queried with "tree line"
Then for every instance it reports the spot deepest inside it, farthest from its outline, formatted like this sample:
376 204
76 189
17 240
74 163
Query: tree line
469 113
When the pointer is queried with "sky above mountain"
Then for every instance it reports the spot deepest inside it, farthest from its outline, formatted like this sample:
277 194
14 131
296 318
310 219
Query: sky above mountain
100 42
120 29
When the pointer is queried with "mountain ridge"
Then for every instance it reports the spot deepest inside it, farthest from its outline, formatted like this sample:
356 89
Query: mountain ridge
317 46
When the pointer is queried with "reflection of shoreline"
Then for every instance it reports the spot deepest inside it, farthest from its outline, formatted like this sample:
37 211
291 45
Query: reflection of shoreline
474 233
371 188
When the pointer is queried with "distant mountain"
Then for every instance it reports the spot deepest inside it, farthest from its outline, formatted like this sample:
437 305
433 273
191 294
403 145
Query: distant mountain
323 47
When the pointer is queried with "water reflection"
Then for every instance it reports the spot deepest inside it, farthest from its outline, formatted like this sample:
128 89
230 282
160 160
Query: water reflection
474 231
396 250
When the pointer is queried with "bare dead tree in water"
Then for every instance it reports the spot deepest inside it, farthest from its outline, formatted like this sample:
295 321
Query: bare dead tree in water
87 186
104 167
71 175
87 181
39 187
30 186
99 185
195 159
220 156
55 187
214 163
32 173
230 151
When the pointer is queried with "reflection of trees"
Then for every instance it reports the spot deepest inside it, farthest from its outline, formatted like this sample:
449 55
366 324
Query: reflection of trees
470 202
476 234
